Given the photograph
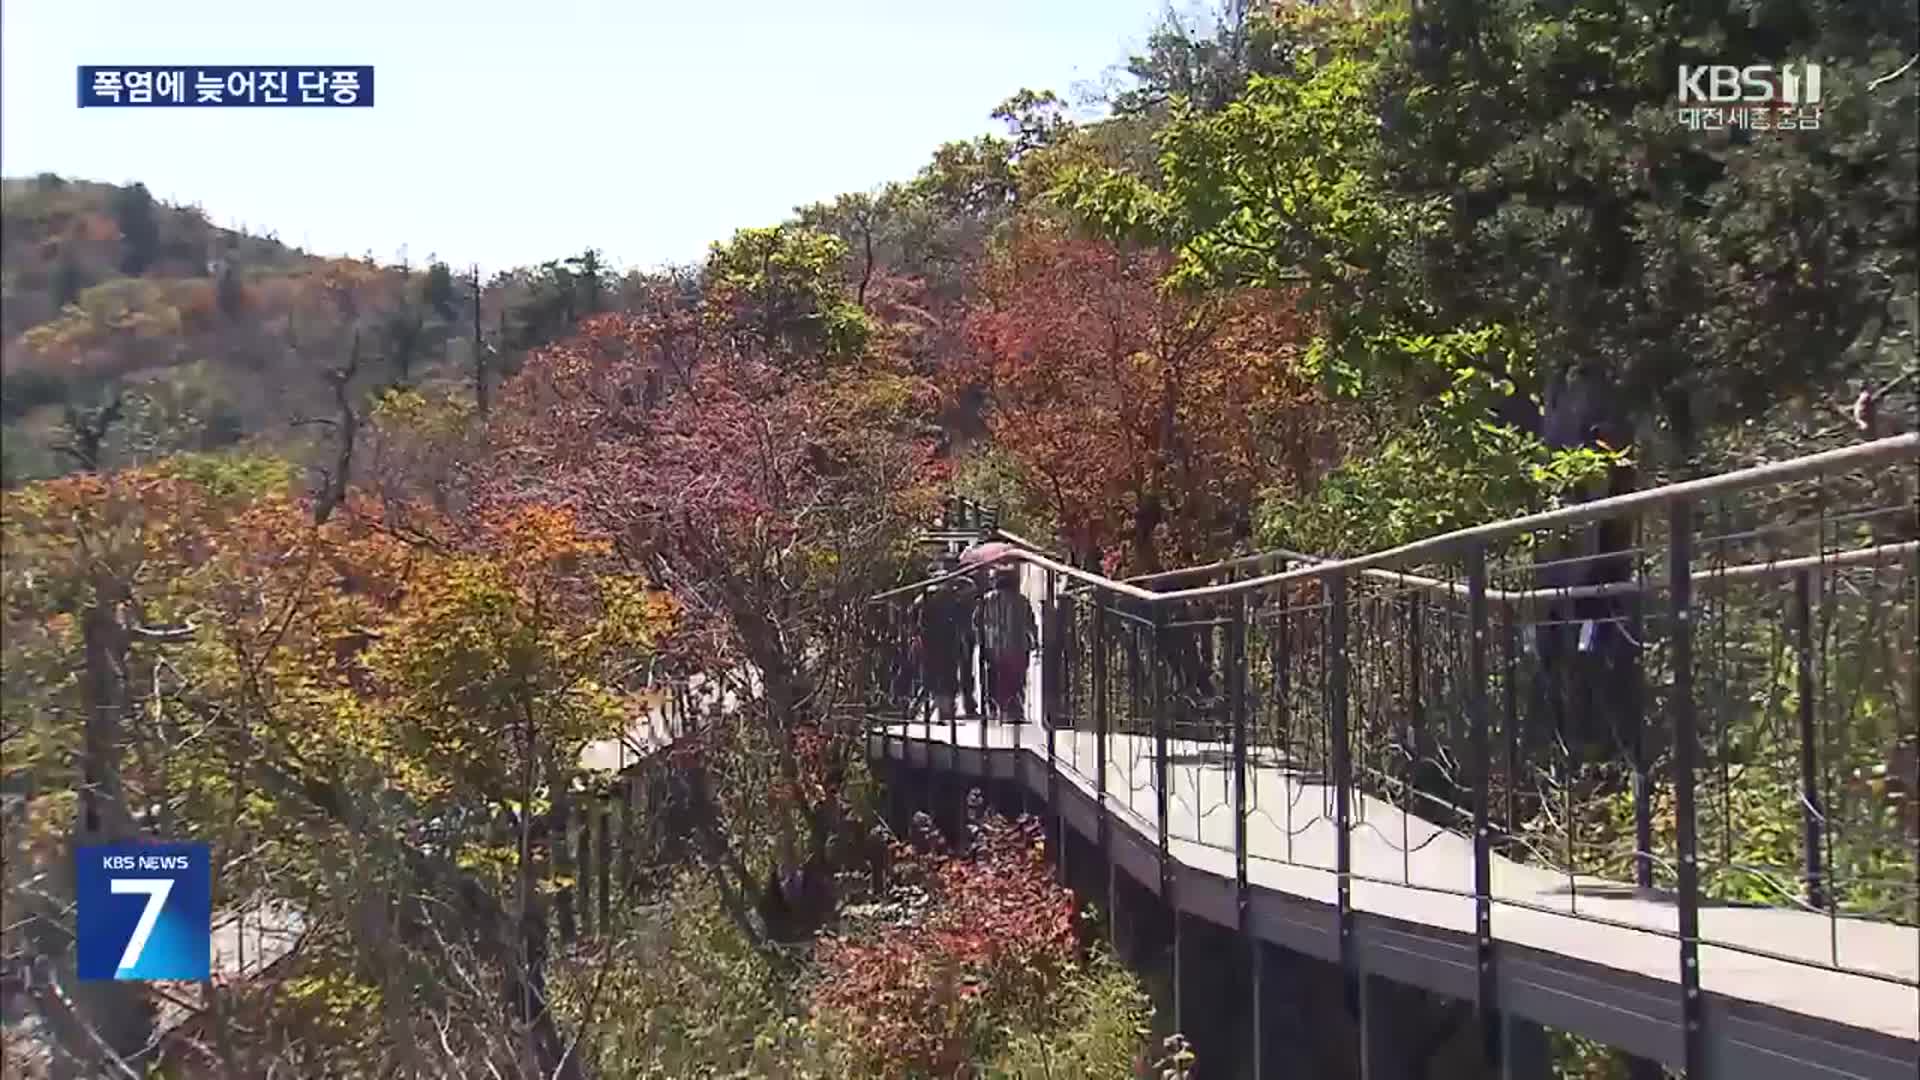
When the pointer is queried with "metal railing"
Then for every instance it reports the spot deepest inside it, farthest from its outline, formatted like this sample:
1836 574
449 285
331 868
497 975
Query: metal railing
622 822
1650 710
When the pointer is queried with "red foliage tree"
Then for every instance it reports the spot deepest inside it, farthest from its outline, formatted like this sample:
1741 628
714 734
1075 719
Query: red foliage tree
998 934
1149 418
770 503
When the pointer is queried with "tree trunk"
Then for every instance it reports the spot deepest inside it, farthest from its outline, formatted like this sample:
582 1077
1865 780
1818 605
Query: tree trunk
117 1011
1146 524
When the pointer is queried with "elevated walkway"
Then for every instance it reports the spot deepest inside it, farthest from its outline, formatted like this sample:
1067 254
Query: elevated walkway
1589 956
1256 748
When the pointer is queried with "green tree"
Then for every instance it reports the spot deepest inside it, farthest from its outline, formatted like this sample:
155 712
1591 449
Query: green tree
1518 175
1203 59
550 308
230 293
591 277
781 287
437 290
133 211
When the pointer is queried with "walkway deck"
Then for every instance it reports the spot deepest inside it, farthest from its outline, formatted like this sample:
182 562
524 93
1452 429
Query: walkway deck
652 724
1426 878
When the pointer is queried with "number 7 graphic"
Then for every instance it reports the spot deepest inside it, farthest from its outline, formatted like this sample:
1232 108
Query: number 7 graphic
156 890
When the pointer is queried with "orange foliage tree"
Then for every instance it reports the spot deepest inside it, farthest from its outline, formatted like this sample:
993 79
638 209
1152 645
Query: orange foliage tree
1148 418
364 722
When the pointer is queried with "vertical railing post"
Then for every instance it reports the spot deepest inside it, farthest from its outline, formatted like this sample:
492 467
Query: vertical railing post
1414 730
623 810
1810 808
1099 633
1642 767
1680 596
953 723
897 652
1065 681
1336 593
1103 840
1163 803
1487 1003
1237 716
1238 682
1913 679
982 669
925 696
583 867
903 685
1053 641
1283 704
1510 723
603 861
1019 771
559 865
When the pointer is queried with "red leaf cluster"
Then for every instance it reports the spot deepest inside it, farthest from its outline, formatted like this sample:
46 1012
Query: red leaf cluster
997 939
765 500
770 501
1148 418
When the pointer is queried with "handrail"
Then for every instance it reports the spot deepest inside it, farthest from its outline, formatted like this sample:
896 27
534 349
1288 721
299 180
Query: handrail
1234 563
1034 558
1868 556
1013 538
1895 447
1891 449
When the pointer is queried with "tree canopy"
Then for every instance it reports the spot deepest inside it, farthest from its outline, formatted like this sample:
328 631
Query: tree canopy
342 566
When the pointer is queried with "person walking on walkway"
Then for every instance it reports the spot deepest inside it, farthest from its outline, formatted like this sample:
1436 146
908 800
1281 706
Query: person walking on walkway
944 642
967 592
1008 637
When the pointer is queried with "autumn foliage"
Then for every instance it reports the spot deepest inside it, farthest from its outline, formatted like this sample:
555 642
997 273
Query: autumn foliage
998 936
1148 419
764 499
770 494
365 703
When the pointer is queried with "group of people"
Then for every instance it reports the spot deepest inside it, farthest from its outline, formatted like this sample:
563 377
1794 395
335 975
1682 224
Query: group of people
959 614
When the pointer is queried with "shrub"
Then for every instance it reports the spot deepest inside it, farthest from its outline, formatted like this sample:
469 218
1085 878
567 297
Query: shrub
680 991
1101 1027
922 999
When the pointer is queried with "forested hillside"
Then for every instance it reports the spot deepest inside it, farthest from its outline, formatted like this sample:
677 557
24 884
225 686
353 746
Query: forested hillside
135 329
338 566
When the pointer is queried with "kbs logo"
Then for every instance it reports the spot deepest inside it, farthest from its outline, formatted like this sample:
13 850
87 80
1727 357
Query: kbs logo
145 911
1758 97
1755 84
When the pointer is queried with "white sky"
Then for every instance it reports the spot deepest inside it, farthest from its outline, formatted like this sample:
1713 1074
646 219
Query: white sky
509 133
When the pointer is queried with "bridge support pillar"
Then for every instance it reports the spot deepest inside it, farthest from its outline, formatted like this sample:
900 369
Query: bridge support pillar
1382 1049
1524 1054
1256 1005
1219 1013
1122 918
1063 866
1113 903
1179 972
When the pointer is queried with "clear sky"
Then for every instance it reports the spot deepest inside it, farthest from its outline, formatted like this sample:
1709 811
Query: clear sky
509 133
